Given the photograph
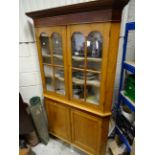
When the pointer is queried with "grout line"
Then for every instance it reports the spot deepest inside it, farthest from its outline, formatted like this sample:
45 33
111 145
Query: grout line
30 72
31 85
27 42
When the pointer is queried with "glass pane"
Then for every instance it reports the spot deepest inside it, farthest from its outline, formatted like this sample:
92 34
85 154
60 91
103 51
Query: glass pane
78 46
48 71
94 50
59 81
46 55
78 84
57 48
93 88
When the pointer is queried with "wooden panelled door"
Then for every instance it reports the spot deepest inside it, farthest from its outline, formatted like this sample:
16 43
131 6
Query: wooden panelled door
86 131
59 120
51 44
88 50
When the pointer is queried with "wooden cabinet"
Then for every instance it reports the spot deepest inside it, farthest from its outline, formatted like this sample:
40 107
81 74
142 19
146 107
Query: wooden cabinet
77 49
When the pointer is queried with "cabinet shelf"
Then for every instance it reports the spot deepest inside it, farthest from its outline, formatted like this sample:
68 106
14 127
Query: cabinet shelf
92 101
89 82
87 70
130 66
47 64
59 77
53 65
78 81
76 58
56 76
48 76
93 83
60 91
127 101
94 59
58 56
46 56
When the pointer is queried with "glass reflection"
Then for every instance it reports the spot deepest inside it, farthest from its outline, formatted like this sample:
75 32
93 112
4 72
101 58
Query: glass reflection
48 71
93 88
94 50
78 84
59 81
57 48
94 45
57 43
78 43
44 40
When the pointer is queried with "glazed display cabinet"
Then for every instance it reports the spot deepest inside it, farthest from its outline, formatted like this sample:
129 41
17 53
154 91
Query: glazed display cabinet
77 50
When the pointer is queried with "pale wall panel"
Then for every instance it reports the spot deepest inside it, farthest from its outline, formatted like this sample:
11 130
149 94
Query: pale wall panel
26 33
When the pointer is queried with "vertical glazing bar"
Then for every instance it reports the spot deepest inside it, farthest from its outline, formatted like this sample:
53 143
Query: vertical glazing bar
51 51
85 68
51 48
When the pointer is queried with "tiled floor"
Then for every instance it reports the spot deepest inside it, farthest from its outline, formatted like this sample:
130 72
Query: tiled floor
56 147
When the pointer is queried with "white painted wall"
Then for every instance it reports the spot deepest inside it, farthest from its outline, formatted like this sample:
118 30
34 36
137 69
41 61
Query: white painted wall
29 72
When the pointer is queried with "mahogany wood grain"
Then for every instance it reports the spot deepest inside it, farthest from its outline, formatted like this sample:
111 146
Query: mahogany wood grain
95 11
81 7
76 18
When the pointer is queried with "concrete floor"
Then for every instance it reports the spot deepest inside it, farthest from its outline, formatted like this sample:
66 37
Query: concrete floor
57 147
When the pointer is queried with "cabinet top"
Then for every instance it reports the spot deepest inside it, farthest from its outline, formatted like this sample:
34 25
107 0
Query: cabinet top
81 7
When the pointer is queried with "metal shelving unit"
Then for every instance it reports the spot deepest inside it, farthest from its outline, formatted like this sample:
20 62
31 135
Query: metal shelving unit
123 138
128 66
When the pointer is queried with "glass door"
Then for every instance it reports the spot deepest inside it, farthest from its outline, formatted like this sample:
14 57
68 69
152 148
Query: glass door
88 49
52 47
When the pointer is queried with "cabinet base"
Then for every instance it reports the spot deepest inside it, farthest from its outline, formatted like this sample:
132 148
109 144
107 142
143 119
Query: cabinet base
82 130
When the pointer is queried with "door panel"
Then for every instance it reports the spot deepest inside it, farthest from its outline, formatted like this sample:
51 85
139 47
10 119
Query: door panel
86 131
59 120
51 44
88 50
